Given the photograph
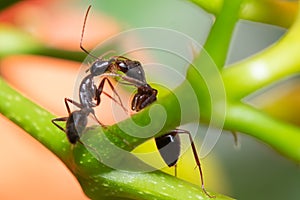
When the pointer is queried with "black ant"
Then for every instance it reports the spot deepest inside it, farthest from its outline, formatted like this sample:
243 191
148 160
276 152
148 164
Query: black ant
168 146
88 92
89 97
133 70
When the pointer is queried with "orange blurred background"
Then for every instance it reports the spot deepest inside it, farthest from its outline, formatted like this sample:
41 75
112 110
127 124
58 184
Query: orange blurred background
28 170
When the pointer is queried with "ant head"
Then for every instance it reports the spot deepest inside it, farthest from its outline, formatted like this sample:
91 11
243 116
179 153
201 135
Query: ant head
136 71
131 68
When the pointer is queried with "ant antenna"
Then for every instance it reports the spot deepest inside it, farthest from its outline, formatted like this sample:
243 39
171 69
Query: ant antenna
82 33
81 40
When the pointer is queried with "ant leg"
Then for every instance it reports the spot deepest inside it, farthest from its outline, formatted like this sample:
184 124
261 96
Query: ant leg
72 102
92 149
80 106
196 157
62 119
120 104
104 126
175 170
100 90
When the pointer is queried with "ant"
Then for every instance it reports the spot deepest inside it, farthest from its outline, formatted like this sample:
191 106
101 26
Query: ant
88 93
168 146
133 70
135 75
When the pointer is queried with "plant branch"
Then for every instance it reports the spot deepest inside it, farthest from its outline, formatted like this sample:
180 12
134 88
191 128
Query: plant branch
220 34
283 137
5 4
276 12
15 41
277 62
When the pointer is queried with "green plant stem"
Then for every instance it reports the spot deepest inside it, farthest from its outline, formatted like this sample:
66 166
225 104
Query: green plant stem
5 4
17 41
147 186
283 137
220 34
33 119
97 180
277 62
276 12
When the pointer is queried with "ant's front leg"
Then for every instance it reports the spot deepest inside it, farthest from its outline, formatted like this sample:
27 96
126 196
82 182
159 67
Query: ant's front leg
81 107
64 119
100 90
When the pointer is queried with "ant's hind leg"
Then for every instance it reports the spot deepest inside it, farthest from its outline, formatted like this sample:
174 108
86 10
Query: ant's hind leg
196 157
95 117
72 102
61 119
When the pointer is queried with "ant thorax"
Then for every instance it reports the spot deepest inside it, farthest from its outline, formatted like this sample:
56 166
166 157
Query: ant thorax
99 67
87 91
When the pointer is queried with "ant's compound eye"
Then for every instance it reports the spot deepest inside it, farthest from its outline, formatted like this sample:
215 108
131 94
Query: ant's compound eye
122 65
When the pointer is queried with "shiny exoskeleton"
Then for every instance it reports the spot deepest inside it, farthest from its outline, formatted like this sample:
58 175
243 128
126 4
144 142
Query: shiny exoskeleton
76 121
